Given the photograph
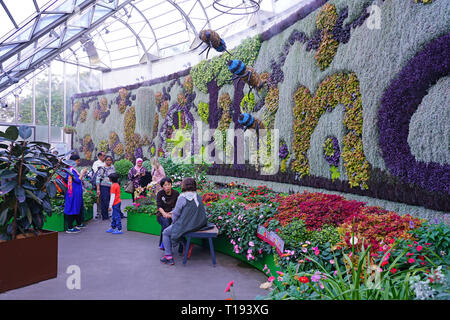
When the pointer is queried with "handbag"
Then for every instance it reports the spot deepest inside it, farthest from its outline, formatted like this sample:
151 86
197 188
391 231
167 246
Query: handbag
129 187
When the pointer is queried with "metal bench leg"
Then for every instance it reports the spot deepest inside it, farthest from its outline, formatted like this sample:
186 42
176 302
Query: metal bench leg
211 248
186 249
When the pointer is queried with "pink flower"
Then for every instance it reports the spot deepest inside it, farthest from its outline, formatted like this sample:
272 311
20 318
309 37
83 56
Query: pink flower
219 217
232 198
239 193
229 213
316 252
251 244
271 279
419 248
230 284
332 261
208 204
265 267
411 260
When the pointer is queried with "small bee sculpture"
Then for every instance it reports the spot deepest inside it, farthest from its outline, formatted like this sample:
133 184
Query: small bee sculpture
212 40
250 122
246 74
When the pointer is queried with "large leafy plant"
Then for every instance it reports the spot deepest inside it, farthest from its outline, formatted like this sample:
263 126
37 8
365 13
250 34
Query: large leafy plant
28 180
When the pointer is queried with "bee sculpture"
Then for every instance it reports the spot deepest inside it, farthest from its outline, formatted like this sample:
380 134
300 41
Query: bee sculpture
250 122
246 74
212 40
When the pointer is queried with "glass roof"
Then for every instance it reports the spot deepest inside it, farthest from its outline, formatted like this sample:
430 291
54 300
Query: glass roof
109 34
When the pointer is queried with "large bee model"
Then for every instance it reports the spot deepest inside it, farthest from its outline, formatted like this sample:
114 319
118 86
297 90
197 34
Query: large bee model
212 40
250 122
246 74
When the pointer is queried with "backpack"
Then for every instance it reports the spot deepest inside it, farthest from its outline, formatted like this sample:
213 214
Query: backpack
92 177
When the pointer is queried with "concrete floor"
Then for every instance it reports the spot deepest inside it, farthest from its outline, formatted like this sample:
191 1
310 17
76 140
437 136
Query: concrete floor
127 266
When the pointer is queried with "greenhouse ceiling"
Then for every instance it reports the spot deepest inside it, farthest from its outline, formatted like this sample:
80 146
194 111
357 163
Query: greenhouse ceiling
110 34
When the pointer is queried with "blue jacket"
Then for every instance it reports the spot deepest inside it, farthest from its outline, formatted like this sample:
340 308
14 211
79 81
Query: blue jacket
74 201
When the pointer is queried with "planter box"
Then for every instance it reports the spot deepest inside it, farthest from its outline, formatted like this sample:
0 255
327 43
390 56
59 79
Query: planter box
28 260
54 223
143 222
88 214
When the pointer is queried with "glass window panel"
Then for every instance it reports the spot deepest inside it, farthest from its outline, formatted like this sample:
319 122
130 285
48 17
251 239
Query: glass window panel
41 85
7 24
42 133
45 20
71 89
8 109
26 103
20 10
99 13
90 80
57 94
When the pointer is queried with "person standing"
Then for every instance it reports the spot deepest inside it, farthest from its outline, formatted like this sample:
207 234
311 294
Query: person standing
104 185
165 202
157 173
100 162
73 205
136 173
114 205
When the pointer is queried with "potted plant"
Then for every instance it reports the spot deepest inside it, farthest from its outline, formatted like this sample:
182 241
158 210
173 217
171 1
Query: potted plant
28 172
69 130
142 218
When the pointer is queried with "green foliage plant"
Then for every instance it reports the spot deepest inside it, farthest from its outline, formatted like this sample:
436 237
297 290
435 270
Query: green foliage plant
27 181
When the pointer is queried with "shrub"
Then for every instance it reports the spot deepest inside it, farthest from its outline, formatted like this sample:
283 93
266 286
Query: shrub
376 224
316 209
210 197
123 167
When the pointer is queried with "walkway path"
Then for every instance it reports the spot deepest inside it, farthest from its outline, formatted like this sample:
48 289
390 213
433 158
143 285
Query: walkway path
127 267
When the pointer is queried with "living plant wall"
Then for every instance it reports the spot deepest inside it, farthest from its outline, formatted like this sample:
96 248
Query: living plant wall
356 93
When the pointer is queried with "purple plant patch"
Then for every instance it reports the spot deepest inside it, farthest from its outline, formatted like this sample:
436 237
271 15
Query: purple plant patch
399 102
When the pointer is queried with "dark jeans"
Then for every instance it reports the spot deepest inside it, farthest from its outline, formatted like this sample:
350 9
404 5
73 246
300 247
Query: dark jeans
115 219
164 222
104 201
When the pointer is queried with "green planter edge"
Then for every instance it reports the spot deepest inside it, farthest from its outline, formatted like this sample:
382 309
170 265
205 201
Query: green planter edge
58 222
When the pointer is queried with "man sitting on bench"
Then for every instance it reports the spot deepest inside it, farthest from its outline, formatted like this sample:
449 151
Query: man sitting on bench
187 216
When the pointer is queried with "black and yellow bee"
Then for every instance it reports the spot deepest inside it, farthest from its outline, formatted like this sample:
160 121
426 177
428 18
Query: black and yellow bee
212 40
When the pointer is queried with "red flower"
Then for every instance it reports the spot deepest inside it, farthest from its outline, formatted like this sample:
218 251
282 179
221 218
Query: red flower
303 279
393 270
411 260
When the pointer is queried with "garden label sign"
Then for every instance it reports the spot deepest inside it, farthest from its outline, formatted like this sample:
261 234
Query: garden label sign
271 238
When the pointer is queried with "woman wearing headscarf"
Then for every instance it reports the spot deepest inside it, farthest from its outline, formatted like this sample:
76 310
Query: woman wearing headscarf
136 173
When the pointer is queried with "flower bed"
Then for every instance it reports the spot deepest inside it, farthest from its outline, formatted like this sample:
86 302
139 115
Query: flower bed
332 243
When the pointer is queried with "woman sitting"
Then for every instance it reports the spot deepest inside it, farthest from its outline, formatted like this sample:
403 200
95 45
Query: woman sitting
165 202
187 216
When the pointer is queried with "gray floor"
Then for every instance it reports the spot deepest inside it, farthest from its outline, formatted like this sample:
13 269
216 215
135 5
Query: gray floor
127 267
